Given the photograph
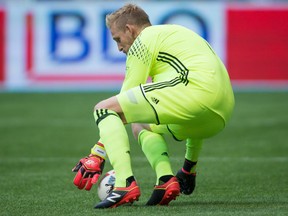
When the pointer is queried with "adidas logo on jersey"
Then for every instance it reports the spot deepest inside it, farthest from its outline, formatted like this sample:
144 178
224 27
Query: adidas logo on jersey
154 100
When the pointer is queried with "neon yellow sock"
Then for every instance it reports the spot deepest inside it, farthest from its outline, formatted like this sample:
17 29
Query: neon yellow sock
156 151
193 149
115 140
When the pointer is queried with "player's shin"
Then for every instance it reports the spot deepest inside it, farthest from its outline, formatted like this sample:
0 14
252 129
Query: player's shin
155 149
193 149
114 136
167 187
187 174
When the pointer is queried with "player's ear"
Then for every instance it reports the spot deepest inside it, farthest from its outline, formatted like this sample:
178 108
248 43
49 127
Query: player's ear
131 29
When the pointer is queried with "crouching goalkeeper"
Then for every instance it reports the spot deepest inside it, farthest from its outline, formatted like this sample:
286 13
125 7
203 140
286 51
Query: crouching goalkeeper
190 98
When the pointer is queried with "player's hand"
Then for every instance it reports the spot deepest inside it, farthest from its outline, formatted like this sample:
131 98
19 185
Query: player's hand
88 171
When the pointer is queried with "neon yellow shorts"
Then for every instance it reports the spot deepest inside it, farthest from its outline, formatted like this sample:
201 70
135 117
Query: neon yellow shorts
174 109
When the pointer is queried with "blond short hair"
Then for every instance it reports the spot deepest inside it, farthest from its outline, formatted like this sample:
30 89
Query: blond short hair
128 14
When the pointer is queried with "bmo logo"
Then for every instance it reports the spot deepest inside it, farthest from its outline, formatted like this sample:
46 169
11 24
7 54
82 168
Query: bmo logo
73 43
70 41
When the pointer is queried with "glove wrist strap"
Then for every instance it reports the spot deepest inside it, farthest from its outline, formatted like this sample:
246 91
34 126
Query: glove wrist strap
99 150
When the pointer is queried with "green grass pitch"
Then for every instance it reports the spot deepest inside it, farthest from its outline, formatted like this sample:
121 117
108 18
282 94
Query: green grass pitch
242 171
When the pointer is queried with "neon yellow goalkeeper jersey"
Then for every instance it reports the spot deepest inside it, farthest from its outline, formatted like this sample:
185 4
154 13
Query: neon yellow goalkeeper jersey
166 52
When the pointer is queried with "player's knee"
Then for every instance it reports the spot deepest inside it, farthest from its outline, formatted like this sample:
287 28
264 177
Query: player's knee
100 105
137 128
110 103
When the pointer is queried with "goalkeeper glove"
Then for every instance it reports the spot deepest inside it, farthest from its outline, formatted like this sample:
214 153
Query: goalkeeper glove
90 168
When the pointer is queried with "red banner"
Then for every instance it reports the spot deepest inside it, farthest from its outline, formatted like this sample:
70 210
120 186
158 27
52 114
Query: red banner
257 44
2 45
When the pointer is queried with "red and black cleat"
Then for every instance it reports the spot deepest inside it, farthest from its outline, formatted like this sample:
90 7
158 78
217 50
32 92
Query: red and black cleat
163 194
187 181
120 196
